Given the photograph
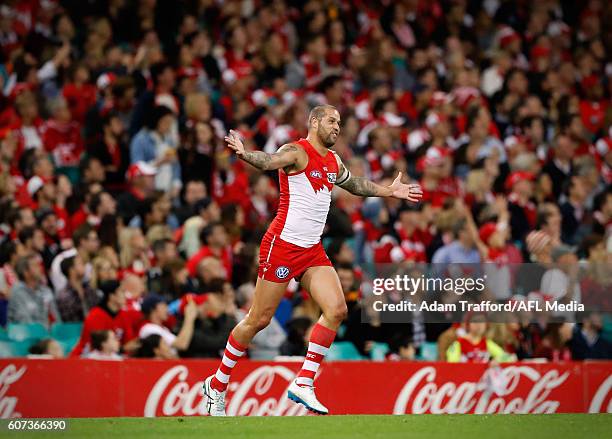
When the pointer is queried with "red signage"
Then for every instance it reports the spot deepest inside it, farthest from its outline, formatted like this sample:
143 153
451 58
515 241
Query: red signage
89 388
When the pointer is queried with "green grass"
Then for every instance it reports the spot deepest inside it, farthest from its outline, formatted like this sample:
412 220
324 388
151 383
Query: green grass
558 426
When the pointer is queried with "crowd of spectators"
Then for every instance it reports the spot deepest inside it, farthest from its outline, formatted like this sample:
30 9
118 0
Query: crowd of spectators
120 206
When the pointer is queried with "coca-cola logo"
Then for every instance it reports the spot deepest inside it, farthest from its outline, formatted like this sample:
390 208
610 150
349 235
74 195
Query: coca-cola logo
600 397
421 394
261 393
9 375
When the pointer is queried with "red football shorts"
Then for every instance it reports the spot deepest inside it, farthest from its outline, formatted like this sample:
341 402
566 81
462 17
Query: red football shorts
280 261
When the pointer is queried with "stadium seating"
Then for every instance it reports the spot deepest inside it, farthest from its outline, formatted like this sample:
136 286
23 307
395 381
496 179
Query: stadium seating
14 348
66 331
26 331
68 344
379 351
343 350
429 351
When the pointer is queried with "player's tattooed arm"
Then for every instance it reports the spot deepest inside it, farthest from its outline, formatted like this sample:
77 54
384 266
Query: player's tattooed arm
286 156
366 188
359 185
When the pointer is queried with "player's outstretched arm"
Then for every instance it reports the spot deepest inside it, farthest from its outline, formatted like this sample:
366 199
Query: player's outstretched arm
286 156
366 188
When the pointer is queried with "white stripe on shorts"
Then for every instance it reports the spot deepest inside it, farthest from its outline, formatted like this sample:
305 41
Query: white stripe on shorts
268 258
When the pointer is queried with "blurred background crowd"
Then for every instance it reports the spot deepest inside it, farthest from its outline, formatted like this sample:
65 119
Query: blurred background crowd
128 228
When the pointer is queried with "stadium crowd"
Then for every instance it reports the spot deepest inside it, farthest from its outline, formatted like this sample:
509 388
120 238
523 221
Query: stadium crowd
122 208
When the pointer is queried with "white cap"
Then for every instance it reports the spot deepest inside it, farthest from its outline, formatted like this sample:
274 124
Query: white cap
34 184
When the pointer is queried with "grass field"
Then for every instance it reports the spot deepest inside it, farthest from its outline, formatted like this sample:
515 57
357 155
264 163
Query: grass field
559 426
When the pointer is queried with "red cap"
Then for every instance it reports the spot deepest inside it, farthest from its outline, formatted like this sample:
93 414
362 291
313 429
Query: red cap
199 299
517 176
434 156
486 230
140 169
507 35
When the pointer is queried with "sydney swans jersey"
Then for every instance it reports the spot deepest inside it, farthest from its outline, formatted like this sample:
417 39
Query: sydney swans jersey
305 197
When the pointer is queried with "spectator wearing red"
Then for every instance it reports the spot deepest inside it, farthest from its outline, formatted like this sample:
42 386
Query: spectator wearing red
80 94
62 138
474 346
554 346
594 106
30 122
107 316
214 243
437 183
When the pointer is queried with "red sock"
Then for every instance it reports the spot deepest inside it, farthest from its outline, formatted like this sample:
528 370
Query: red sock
233 352
321 339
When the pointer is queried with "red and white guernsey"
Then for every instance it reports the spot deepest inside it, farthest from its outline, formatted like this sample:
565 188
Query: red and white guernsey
305 197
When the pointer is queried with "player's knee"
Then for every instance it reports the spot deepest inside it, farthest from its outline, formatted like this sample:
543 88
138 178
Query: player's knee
338 313
260 321
263 321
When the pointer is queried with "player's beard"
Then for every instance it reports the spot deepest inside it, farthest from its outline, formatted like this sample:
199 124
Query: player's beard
327 139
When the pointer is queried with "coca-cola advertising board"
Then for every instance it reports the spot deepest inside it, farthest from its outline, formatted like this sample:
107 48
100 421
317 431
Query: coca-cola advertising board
88 388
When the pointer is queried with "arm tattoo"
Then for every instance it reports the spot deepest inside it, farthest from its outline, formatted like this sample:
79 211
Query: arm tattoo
360 186
356 185
259 159
264 161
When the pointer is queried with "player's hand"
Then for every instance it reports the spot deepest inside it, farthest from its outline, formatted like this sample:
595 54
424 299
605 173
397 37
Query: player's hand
410 192
234 142
191 310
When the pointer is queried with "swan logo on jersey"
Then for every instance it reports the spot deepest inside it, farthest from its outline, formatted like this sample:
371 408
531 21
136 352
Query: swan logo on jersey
282 272
315 174
331 177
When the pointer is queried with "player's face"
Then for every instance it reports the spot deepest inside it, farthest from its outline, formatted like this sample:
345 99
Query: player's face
329 128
